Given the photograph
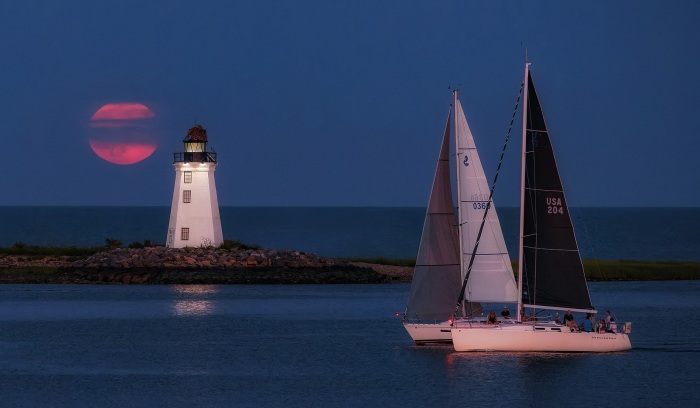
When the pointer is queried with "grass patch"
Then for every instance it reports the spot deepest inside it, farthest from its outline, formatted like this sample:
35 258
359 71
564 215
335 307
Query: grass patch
600 270
603 270
638 270
384 261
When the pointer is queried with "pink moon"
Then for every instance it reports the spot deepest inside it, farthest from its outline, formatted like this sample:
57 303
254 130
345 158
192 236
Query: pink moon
122 133
122 153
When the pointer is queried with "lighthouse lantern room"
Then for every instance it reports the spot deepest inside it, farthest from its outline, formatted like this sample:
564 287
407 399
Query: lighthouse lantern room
194 213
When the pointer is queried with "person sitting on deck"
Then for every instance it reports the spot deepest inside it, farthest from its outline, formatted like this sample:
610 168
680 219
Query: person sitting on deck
608 319
612 326
588 323
601 326
492 318
569 320
505 313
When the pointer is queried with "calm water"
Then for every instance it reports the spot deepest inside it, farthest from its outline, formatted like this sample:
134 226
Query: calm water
340 345
603 233
326 345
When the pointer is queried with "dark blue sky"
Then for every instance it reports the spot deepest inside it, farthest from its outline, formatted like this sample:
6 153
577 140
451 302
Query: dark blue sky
343 103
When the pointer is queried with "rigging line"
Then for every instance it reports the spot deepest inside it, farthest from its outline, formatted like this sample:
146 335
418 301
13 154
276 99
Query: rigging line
549 249
590 242
542 189
488 203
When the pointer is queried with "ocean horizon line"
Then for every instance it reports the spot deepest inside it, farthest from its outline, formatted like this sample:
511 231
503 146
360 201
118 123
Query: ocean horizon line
326 206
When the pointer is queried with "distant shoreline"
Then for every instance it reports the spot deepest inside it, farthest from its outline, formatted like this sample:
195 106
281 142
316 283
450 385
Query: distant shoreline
265 275
160 265
246 265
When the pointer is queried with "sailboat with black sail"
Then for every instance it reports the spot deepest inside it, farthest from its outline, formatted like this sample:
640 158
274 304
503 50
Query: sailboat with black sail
551 275
448 241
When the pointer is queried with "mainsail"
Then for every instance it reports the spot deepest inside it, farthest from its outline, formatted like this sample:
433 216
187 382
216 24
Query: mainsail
552 273
491 278
436 277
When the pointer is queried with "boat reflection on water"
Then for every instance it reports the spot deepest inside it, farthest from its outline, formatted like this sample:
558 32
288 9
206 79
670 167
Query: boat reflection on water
194 300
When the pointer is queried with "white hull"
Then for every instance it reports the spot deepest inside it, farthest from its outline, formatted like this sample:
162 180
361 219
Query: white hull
548 337
423 333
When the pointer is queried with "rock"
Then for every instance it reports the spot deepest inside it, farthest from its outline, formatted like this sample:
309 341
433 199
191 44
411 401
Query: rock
191 265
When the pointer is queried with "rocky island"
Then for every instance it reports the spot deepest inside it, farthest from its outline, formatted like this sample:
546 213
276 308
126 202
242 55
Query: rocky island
161 265
240 264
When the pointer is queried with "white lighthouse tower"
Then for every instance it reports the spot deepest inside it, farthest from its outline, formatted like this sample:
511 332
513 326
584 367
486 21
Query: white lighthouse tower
194 213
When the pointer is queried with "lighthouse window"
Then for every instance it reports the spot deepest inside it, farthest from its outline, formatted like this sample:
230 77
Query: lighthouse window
186 196
187 176
185 234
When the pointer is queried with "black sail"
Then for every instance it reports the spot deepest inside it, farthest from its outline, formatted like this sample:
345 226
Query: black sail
552 270
437 277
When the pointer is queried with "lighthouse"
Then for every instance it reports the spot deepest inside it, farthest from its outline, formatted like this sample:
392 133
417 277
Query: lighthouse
194 212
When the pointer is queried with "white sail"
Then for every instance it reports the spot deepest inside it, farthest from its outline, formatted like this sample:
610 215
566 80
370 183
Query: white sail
491 277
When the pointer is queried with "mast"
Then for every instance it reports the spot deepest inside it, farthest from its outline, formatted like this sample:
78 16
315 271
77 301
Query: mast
455 97
522 190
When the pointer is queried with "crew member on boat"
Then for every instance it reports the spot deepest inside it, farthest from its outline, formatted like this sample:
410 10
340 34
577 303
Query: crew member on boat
601 326
569 320
492 318
588 323
610 325
505 313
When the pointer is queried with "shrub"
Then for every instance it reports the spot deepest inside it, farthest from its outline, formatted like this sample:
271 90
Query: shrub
148 243
113 243
236 244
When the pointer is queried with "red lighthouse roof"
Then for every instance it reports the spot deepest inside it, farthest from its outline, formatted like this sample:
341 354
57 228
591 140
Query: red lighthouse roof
196 134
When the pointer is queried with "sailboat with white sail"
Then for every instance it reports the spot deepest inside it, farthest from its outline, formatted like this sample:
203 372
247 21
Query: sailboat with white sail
447 243
550 273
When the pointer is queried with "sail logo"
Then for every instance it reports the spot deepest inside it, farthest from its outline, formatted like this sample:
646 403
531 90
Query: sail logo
466 160
554 206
